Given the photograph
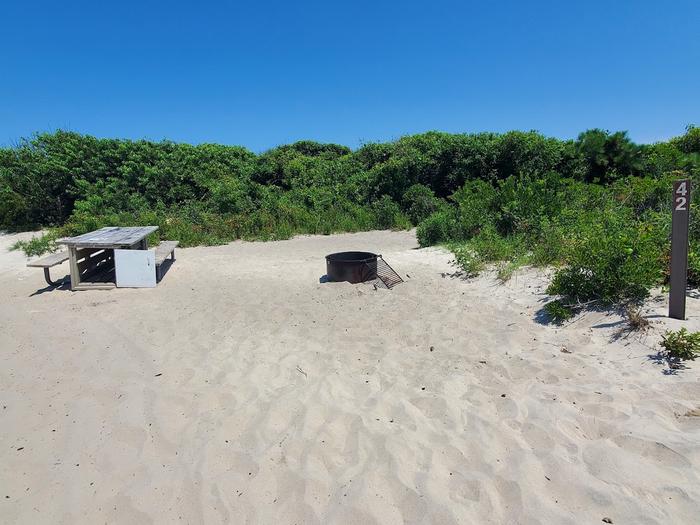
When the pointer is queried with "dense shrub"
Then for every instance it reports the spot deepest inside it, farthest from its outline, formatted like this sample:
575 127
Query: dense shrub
475 208
388 214
596 207
607 157
419 202
15 212
610 242
611 261
690 142
440 227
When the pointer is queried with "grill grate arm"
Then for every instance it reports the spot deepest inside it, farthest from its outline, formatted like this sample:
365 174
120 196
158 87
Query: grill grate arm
386 274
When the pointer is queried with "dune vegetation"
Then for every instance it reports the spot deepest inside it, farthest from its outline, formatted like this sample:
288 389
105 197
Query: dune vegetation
597 208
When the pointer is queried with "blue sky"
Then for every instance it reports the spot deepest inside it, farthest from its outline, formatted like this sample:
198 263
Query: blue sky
265 73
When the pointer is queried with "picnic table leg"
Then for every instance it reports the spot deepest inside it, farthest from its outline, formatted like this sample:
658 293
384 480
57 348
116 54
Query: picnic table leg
74 272
47 276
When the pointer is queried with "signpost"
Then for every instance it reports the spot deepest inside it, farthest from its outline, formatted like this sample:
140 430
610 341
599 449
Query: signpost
679 249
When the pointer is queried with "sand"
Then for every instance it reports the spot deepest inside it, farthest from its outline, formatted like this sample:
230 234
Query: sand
243 390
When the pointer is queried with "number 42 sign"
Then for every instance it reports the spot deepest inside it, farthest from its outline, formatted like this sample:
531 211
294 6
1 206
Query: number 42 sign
679 249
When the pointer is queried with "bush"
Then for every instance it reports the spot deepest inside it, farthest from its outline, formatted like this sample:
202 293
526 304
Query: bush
524 201
14 211
612 260
681 345
440 227
388 214
693 264
690 142
512 199
558 311
419 202
493 247
551 246
487 247
37 245
475 208
467 260
606 156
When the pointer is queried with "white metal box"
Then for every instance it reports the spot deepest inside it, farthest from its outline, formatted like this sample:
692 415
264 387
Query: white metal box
135 268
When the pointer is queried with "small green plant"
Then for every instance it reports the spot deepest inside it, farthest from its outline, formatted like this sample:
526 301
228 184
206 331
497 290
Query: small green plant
37 245
467 260
681 345
507 269
558 311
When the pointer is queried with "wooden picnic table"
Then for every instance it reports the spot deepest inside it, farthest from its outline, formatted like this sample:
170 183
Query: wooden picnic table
92 254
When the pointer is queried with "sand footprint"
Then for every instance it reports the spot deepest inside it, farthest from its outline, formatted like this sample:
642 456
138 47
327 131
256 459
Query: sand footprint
603 411
538 439
652 451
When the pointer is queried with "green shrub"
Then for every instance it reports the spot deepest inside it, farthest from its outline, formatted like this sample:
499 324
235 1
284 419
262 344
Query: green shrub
467 260
551 246
488 246
388 214
690 142
438 228
37 245
607 156
681 345
492 247
610 261
14 210
524 201
507 269
231 195
510 199
475 208
693 264
419 201
558 311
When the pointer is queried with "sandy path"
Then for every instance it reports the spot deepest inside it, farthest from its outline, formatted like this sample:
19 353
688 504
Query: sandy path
242 390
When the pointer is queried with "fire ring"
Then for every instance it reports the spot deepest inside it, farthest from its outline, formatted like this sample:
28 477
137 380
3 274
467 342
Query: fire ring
353 267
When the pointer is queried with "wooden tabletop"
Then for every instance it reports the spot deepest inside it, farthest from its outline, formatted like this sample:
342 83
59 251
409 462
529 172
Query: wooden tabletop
110 237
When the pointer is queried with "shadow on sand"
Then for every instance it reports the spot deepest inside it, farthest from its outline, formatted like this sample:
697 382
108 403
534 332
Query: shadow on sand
165 267
62 285
675 365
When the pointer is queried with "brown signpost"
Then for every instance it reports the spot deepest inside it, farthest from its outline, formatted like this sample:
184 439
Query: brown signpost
679 249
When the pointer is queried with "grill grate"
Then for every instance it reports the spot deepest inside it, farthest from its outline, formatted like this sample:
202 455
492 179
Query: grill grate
386 274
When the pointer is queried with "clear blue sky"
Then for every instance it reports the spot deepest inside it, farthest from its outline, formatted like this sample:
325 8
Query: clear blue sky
262 73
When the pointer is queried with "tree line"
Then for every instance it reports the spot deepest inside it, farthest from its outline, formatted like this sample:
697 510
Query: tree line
519 197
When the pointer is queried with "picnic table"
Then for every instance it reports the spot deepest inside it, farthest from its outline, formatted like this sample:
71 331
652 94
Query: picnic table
91 255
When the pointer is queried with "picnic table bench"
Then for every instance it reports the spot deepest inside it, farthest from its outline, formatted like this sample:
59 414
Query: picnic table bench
164 249
49 262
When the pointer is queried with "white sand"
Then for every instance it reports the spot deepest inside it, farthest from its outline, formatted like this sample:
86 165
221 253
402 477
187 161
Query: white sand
242 390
